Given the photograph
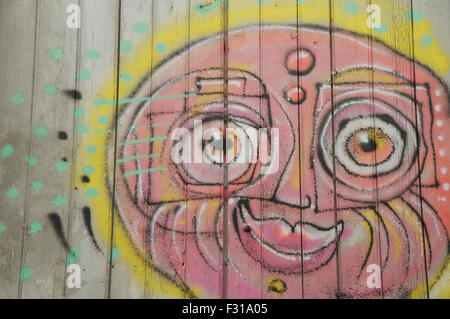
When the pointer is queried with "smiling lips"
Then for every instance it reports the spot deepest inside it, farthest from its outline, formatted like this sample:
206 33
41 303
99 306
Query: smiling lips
278 245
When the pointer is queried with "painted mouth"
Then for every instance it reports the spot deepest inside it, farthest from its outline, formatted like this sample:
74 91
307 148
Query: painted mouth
281 245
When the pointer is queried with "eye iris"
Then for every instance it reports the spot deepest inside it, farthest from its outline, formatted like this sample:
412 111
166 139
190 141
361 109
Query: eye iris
367 144
370 146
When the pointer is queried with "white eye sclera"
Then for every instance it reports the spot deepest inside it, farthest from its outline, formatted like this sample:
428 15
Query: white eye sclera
370 139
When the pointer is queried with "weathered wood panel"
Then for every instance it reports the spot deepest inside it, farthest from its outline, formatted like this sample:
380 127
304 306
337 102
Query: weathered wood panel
51 115
343 121
97 63
18 32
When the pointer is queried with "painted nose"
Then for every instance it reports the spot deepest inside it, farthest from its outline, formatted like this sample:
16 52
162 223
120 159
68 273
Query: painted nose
297 185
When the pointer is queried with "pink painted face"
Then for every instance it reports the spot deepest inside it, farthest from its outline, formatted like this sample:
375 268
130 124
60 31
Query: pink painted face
341 193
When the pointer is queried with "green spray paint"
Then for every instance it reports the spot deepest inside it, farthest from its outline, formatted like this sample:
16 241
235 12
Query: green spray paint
140 27
351 8
115 253
31 160
25 273
73 256
84 75
59 201
91 192
37 186
91 149
51 89
7 151
126 46
60 166
56 54
81 128
427 40
88 169
416 16
41 131
17 99
126 77
12 192
92 54
103 119
34 228
161 47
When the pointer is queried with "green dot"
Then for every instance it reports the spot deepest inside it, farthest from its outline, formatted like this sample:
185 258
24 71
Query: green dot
427 40
126 77
84 75
103 119
206 8
7 151
31 160
51 89
98 102
25 273
140 27
59 201
302 1
40 131
12 192
161 47
17 99
416 16
34 228
37 186
91 149
381 28
73 256
125 46
3 228
56 54
81 128
92 54
115 253
91 193
61 166
351 8
79 112
88 169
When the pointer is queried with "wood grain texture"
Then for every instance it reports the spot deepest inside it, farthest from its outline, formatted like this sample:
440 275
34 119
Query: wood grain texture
18 30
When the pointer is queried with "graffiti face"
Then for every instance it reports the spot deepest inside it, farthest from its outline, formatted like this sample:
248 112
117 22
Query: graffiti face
351 152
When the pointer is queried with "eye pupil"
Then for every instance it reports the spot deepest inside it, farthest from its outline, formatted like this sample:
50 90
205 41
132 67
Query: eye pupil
217 144
368 145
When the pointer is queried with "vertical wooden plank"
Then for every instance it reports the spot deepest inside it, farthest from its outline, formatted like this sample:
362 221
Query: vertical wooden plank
91 204
143 153
354 120
245 269
431 85
430 22
282 203
313 64
43 252
135 33
206 243
414 274
17 29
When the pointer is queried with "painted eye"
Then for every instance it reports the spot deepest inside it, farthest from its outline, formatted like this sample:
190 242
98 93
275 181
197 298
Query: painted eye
237 144
369 146
367 142
208 138
372 139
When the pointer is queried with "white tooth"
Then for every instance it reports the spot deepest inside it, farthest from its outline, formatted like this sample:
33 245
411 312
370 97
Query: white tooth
286 228
340 227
